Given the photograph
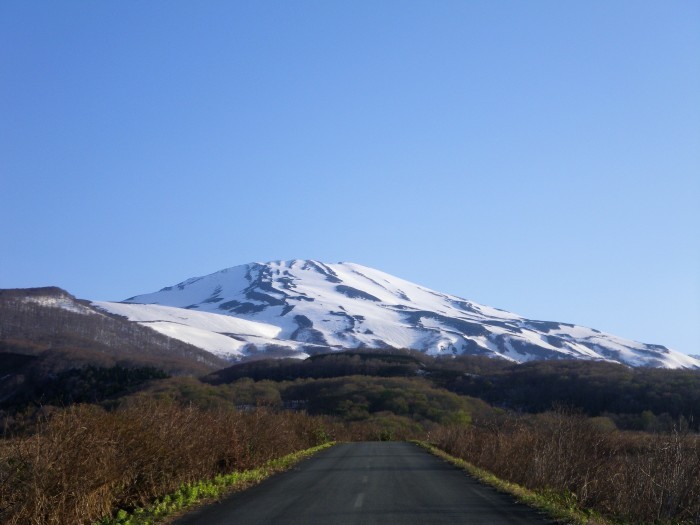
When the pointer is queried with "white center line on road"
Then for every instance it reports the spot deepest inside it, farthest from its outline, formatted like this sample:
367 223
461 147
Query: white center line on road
358 501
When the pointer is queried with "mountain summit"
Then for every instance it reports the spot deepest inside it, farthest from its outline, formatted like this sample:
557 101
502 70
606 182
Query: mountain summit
301 307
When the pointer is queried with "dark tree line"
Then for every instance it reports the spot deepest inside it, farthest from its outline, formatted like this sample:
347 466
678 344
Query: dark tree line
320 366
90 384
636 398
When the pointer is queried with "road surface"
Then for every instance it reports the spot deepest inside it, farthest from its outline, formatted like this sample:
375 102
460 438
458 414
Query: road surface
366 484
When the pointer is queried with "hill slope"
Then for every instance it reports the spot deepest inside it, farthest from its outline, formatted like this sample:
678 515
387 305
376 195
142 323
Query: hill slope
62 332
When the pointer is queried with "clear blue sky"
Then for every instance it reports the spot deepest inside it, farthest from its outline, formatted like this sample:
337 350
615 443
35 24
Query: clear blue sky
542 157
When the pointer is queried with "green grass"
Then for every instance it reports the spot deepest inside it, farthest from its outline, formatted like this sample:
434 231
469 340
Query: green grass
191 494
561 507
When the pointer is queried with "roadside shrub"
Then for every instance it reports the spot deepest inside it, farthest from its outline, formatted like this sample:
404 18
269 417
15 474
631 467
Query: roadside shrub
84 462
639 477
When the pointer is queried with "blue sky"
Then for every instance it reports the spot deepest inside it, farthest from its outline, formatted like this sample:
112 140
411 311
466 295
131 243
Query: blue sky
542 157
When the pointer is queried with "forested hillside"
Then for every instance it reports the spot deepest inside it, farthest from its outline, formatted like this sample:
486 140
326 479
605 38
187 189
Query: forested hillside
632 398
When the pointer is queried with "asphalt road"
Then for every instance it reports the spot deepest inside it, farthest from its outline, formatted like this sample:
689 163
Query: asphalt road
365 484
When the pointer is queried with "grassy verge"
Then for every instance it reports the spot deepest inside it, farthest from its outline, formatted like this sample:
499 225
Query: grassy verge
192 494
561 507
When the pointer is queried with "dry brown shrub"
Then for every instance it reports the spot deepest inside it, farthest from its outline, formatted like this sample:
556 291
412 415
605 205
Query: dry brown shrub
85 462
637 477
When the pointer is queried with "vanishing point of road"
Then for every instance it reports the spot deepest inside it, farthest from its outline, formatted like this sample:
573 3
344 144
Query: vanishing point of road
366 484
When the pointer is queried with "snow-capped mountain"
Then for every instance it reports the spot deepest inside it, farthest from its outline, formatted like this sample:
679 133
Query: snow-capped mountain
301 307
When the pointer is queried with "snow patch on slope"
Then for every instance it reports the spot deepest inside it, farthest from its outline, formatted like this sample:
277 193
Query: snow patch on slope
64 303
207 331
